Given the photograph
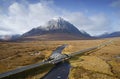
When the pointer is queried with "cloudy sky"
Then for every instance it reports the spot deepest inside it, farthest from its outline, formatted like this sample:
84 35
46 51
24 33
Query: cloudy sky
93 16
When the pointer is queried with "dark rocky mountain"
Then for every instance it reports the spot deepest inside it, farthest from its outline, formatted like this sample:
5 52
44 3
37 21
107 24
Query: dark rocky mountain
109 35
57 28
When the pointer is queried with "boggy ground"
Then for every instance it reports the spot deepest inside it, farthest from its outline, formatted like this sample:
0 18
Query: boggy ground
100 64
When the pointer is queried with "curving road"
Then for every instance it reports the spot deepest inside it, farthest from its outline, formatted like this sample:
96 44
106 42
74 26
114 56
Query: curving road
60 71
55 53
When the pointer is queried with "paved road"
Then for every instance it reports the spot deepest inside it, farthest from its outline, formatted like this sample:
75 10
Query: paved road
18 70
60 71
81 52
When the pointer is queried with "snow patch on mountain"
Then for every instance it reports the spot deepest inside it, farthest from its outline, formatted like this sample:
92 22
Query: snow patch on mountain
56 25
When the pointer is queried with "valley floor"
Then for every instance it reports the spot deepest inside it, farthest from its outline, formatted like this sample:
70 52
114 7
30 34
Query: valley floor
100 64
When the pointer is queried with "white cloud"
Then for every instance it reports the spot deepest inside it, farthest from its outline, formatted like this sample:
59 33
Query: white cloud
115 3
23 17
116 24
94 25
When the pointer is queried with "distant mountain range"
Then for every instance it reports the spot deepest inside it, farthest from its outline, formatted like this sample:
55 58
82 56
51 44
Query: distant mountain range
55 29
9 37
110 35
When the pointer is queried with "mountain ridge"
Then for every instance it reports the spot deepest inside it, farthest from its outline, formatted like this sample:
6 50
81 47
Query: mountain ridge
56 29
57 26
110 35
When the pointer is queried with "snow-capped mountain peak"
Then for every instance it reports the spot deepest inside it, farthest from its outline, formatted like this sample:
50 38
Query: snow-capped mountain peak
57 18
56 22
56 25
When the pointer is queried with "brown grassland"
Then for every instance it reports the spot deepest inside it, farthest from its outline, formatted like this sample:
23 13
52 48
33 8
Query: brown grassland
100 64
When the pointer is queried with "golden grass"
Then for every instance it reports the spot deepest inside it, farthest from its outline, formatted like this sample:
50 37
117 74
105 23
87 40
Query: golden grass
102 64
92 63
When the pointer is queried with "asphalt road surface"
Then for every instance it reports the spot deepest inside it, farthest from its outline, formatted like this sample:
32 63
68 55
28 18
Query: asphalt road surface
60 71
18 70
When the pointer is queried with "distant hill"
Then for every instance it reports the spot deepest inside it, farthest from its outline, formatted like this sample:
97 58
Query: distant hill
9 37
55 29
107 35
